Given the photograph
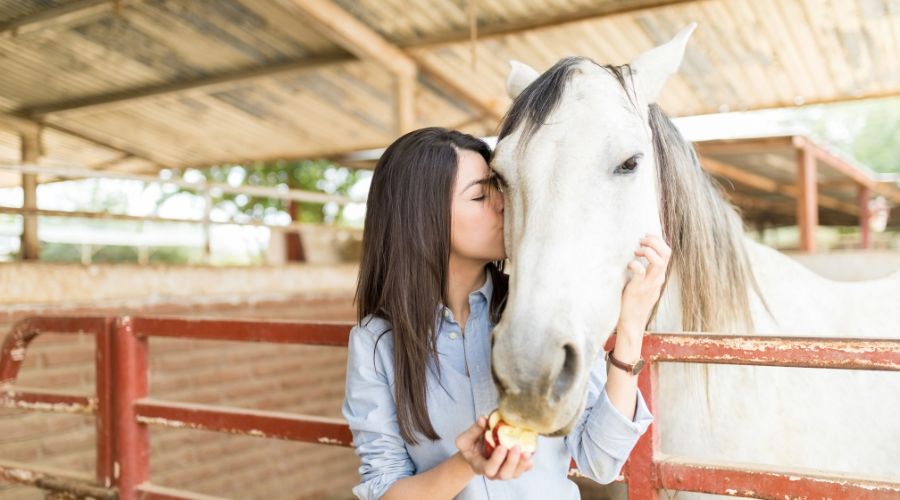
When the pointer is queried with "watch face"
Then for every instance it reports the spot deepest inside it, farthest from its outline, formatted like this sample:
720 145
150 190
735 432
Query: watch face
637 367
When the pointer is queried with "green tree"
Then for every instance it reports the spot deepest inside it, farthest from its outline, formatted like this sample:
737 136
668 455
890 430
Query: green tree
869 130
308 175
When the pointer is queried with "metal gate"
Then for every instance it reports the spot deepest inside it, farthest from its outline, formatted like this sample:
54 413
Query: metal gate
124 412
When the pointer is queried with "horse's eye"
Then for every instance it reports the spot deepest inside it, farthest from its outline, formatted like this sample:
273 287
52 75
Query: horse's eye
629 165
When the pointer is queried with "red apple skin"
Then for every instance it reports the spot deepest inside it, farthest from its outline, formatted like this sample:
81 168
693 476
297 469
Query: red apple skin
488 449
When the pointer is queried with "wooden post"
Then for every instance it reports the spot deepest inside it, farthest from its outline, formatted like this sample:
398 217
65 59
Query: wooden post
294 239
207 210
864 215
807 197
30 153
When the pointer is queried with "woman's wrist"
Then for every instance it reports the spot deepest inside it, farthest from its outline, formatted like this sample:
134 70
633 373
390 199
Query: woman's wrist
629 341
464 464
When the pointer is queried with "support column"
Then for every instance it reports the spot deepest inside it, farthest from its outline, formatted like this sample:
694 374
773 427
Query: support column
207 213
865 214
807 198
30 154
294 251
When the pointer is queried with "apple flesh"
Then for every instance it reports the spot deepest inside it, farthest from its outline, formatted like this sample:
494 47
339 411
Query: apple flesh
500 433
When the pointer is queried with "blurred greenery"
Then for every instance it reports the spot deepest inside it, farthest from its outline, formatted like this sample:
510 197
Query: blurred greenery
867 130
309 175
68 252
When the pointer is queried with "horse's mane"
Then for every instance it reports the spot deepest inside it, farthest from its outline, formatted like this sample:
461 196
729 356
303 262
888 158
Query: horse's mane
706 235
705 232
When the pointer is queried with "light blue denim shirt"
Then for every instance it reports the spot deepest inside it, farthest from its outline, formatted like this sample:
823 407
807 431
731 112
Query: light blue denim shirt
600 442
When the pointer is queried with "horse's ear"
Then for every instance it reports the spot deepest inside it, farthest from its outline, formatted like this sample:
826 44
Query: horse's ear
653 68
520 76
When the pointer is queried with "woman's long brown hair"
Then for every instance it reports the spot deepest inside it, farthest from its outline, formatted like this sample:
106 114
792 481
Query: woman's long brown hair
405 259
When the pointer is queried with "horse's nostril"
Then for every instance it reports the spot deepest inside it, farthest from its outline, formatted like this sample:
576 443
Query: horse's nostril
566 377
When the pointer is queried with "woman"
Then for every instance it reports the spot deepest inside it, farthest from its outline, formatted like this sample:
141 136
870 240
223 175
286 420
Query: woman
430 289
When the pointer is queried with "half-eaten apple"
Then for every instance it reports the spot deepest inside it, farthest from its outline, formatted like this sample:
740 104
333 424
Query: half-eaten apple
500 433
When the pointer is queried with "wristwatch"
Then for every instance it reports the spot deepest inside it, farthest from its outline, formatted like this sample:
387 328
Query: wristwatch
633 369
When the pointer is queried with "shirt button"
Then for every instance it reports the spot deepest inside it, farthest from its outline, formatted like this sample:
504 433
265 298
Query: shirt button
452 335
446 313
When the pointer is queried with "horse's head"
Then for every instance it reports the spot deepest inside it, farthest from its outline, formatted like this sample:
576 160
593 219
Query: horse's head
577 156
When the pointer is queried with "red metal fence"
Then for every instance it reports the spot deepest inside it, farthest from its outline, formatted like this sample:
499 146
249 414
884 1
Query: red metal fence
124 411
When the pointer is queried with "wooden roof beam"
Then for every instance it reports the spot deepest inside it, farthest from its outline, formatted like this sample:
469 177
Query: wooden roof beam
602 9
18 124
60 15
339 26
94 103
359 39
835 162
25 125
762 183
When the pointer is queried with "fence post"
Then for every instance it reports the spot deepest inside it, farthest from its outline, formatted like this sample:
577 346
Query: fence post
105 420
640 471
131 438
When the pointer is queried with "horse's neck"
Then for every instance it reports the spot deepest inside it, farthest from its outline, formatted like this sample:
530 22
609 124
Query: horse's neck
801 302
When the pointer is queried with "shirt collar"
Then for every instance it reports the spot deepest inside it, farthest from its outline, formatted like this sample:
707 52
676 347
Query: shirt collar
486 291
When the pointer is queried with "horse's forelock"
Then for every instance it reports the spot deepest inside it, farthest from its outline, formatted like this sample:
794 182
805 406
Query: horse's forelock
531 108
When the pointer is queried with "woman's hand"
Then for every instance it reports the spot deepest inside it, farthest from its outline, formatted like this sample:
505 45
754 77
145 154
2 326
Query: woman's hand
643 290
502 464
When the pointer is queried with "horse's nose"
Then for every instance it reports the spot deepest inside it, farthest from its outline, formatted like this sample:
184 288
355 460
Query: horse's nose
564 380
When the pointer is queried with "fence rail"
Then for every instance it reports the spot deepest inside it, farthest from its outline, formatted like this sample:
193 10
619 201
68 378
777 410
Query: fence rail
123 410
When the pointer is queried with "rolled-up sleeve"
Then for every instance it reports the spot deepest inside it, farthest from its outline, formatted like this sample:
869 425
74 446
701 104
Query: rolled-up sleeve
371 413
603 438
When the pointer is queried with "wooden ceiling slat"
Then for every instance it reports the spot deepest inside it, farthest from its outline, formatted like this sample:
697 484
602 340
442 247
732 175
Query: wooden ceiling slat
876 29
753 85
696 67
745 54
822 24
193 125
776 74
724 52
205 84
894 22
777 29
855 49
111 134
805 41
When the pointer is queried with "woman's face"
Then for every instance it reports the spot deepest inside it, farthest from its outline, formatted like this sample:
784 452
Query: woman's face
476 215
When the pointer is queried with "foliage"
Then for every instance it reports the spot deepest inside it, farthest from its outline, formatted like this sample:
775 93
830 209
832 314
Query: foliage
867 130
308 175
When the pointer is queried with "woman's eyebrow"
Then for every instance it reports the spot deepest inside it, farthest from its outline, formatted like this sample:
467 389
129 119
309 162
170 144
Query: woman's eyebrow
476 182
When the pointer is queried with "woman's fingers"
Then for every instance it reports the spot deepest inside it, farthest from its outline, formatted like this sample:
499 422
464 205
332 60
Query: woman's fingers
470 436
508 469
525 464
493 464
637 268
657 263
658 244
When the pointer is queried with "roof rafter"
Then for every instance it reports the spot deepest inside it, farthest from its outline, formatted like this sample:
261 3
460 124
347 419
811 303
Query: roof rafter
349 32
60 15
604 9
205 84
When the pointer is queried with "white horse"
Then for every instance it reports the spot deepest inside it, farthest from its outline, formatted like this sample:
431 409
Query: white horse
591 164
